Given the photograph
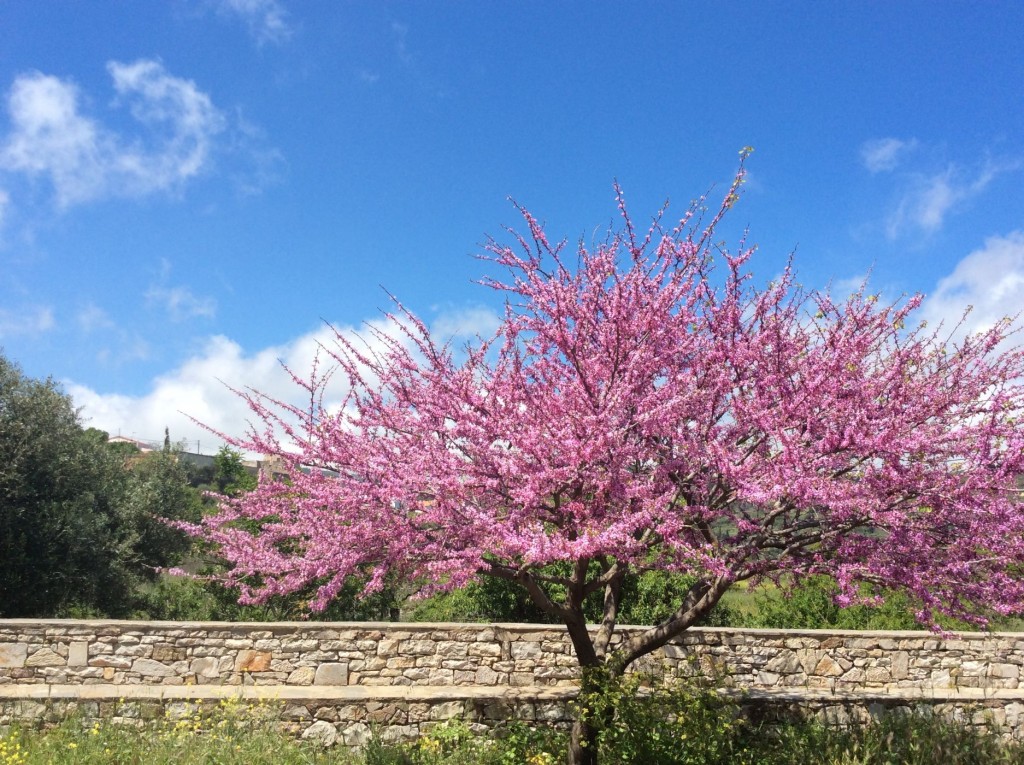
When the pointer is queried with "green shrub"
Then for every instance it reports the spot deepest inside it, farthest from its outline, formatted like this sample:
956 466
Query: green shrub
811 605
645 721
896 738
647 598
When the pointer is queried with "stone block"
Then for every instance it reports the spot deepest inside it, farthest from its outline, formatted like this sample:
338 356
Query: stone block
301 676
878 675
526 650
900 664
13 654
450 649
827 667
150 668
397 734
486 676
784 664
809 659
484 649
296 712
45 657
207 667
322 733
419 647
252 661
441 677
78 653
329 713
167 653
357 735
116 662
447 710
382 715
335 673
1005 671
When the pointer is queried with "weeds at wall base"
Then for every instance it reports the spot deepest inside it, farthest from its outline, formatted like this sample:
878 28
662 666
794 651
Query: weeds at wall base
684 724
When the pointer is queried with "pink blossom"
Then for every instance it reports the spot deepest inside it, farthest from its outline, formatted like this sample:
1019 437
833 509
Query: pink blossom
642 407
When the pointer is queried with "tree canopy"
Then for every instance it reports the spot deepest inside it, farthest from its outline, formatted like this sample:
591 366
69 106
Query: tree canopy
644 406
78 530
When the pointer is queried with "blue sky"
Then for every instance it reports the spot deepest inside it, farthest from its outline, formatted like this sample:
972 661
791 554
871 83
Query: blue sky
189 189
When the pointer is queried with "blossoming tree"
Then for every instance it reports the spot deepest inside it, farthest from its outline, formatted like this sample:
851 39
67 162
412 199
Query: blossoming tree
643 406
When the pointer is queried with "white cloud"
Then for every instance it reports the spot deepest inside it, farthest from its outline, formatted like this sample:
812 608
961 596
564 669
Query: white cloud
91 318
401 35
267 164
466 323
841 289
199 387
884 154
927 200
181 304
126 346
29 321
51 138
159 99
267 20
990 281
84 160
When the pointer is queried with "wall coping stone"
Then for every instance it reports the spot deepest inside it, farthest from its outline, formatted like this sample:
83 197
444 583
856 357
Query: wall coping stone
515 627
443 693
328 694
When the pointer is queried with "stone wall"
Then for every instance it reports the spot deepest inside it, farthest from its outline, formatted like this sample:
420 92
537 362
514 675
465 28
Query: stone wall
339 679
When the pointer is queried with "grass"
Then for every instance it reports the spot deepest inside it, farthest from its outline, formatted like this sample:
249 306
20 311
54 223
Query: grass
682 725
228 734
742 600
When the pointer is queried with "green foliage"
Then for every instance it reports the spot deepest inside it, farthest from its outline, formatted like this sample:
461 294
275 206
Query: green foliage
177 598
647 598
651 597
686 723
227 734
453 742
81 520
229 473
182 598
895 738
158 491
486 600
811 605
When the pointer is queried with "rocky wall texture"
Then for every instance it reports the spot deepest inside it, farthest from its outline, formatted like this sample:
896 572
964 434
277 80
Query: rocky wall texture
405 677
163 653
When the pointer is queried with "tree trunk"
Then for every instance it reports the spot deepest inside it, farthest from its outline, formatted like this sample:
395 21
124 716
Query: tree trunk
596 711
583 743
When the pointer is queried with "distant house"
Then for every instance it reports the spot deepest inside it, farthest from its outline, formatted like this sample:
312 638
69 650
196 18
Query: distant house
142 446
271 465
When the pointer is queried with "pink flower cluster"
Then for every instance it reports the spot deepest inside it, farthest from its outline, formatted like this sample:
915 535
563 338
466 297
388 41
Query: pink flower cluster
644 406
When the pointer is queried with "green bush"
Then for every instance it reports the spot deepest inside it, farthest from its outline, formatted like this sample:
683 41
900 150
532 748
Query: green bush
811 605
647 598
645 721
896 738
